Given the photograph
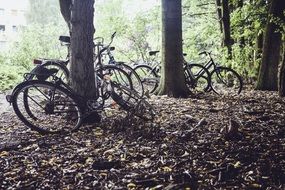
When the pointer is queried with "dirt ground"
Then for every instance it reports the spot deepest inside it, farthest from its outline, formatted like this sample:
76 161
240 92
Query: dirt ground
203 142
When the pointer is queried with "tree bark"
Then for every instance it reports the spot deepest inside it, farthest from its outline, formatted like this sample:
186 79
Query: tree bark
227 40
281 85
82 66
65 9
172 82
267 78
219 14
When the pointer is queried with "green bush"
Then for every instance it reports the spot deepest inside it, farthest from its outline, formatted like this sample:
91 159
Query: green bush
36 41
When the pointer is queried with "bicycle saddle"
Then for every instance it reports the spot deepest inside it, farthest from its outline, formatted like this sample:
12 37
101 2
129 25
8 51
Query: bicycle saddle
65 39
153 53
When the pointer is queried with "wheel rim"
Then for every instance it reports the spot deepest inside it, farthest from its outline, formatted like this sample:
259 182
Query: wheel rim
52 110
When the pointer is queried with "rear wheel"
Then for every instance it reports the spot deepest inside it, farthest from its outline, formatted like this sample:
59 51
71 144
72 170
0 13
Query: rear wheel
197 78
148 76
226 81
135 78
46 108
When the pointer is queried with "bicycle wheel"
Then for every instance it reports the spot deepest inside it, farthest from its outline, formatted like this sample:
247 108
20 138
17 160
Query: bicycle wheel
117 76
226 81
135 104
148 76
197 78
135 78
52 109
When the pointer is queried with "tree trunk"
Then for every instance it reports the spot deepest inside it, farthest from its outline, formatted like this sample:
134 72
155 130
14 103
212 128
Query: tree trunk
267 78
172 82
82 65
65 6
227 41
219 14
281 88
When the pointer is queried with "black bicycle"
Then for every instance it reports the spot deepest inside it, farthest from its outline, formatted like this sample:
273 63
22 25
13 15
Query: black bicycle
107 55
34 101
224 80
53 107
195 81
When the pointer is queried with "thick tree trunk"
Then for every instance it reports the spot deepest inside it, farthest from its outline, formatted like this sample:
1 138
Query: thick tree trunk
281 85
227 41
172 82
267 78
82 65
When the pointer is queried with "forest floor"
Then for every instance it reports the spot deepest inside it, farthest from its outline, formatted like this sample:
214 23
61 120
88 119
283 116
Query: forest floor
203 142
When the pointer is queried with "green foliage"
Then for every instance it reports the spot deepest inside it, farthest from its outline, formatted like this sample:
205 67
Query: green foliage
9 76
137 32
247 23
35 42
44 12
199 32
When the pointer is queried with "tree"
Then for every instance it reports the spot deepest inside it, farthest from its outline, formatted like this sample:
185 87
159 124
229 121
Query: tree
79 17
267 79
65 6
224 13
172 82
281 87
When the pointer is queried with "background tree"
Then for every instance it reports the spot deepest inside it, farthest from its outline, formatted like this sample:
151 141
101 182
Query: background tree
267 79
172 81
281 86
226 26
65 6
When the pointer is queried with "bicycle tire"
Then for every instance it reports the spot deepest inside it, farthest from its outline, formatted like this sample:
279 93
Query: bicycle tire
135 105
225 81
117 76
148 76
54 108
201 76
136 81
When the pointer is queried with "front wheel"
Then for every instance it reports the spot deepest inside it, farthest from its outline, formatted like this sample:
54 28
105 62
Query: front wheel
148 76
226 81
46 108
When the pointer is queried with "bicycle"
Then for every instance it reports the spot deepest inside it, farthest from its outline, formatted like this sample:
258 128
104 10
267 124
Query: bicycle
150 75
47 68
53 107
136 81
123 94
224 80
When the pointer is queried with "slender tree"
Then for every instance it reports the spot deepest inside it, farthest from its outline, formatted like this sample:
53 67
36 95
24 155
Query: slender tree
267 78
227 40
172 81
65 6
223 13
281 85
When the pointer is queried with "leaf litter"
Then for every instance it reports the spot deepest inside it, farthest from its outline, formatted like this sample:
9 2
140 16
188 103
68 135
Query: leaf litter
203 142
